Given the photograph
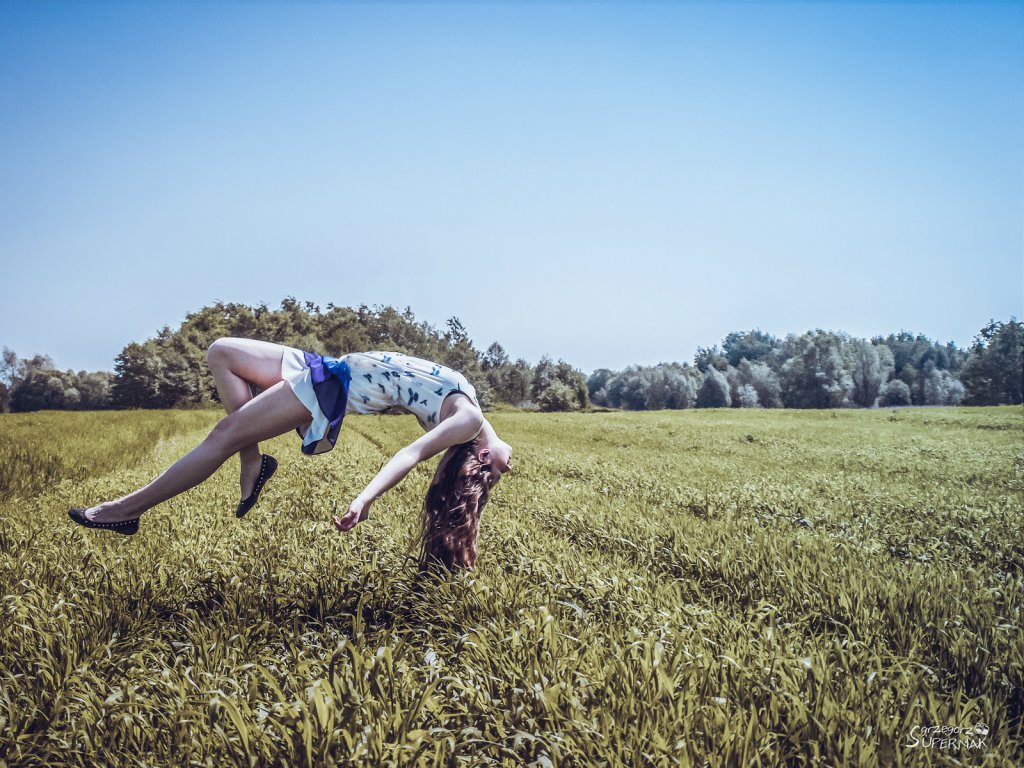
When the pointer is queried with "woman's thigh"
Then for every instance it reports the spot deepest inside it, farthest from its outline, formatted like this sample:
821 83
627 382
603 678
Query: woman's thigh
273 412
252 360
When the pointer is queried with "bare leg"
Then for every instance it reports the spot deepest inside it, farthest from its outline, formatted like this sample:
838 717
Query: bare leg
235 363
273 412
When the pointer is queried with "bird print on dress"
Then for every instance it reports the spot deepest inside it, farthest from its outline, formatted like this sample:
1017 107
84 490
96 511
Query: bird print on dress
367 382
382 381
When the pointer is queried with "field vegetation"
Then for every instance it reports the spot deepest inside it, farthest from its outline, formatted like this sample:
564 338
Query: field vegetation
702 587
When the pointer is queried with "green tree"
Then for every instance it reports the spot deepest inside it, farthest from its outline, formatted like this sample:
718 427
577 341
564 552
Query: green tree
815 374
178 379
672 386
296 324
994 371
709 357
495 357
632 389
547 374
938 387
665 385
460 354
8 377
763 380
596 383
753 345
917 349
44 388
510 381
908 374
516 382
895 392
714 392
575 380
557 397
137 372
94 389
342 332
747 397
8 366
871 366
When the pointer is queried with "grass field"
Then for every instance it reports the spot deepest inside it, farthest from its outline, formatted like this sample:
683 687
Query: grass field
725 588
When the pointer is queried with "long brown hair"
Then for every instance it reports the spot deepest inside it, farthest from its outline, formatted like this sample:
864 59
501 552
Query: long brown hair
451 512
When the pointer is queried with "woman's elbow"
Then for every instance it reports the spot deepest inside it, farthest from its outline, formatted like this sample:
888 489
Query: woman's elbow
409 457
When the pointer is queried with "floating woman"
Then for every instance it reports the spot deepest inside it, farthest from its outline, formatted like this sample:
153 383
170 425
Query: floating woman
311 394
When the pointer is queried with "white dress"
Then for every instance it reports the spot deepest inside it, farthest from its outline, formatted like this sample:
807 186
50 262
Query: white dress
367 382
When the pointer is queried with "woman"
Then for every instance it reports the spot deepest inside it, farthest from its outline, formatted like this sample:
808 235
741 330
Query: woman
312 393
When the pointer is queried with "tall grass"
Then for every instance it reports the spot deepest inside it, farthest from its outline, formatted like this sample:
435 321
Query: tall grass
47 447
694 588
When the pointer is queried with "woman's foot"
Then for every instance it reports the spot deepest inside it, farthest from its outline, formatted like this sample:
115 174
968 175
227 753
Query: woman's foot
249 475
109 512
127 527
268 465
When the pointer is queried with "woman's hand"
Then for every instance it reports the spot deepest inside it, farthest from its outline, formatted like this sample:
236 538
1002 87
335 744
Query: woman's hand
457 428
358 511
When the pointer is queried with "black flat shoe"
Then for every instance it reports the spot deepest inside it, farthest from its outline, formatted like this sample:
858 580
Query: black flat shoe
268 466
125 527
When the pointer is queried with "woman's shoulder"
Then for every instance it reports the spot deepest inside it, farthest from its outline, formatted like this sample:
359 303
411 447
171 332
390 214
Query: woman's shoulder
466 410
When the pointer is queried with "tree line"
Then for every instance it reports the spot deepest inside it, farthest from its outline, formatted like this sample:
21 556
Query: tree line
818 369
170 370
826 369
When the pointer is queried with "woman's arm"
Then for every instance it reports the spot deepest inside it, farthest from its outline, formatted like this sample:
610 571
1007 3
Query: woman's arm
457 428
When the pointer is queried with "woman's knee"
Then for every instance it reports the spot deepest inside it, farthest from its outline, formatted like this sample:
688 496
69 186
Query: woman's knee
258 362
225 438
218 349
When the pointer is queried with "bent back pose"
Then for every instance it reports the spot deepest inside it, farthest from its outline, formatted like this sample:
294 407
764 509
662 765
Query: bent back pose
311 394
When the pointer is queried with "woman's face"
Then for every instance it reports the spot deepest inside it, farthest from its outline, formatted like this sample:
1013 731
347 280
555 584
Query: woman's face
499 456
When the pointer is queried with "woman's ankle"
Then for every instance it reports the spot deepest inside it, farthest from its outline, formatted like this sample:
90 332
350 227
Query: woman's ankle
117 510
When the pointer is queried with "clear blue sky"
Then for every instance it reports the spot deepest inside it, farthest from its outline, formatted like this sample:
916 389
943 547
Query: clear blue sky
606 183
